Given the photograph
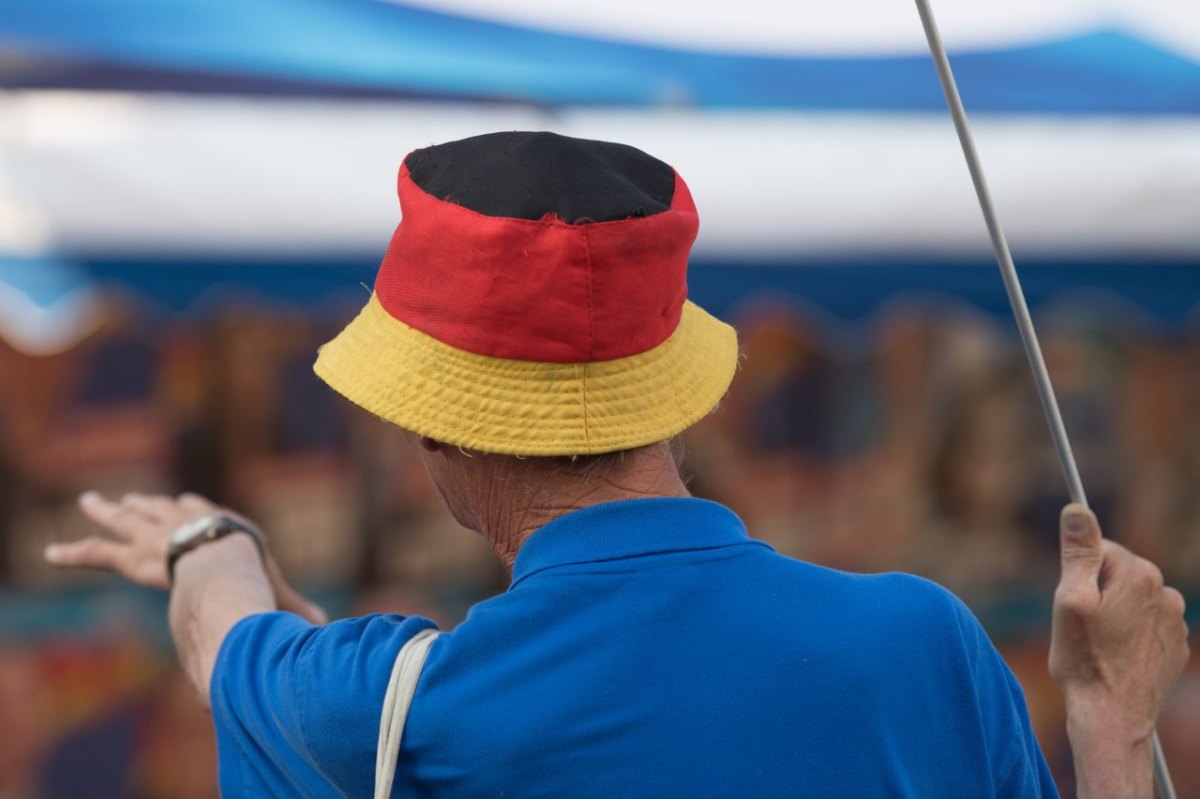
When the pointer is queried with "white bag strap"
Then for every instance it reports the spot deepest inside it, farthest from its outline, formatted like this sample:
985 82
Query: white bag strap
401 687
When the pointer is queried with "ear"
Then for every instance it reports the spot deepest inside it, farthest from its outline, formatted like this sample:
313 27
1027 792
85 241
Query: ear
429 445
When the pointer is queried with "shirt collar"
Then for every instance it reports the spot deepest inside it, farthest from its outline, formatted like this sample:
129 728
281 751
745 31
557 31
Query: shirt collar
628 528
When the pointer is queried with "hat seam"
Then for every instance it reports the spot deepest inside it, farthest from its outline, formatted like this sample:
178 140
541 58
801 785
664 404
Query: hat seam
587 260
587 438
592 338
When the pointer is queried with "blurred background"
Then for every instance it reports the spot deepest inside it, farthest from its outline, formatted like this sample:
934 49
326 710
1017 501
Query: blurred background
194 194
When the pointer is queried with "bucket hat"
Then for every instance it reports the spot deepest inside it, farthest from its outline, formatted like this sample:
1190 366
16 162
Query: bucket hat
533 301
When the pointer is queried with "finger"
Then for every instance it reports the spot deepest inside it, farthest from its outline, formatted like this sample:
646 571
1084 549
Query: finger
1150 577
92 552
194 503
1081 546
1174 623
1124 572
157 508
116 516
1173 604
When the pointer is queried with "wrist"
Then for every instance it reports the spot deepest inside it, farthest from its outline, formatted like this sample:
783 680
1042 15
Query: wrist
1099 713
1111 747
237 547
206 530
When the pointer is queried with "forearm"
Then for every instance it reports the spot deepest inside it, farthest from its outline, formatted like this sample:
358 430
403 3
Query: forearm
216 586
1112 759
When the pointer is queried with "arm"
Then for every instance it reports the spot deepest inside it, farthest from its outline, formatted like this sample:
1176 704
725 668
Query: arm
216 585
294 705
1119 640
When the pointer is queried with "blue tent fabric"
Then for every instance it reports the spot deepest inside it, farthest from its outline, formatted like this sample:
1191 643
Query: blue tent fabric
846 293
366 47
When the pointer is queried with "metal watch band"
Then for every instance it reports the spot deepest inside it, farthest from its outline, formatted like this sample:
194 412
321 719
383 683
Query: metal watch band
204 530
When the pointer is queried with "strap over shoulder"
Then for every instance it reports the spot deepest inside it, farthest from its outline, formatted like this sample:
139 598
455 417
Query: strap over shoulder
410 661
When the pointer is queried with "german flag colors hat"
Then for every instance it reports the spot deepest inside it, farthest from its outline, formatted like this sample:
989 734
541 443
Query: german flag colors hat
533 301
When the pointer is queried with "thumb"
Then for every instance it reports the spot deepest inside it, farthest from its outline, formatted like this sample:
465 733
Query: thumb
291 600
1082 552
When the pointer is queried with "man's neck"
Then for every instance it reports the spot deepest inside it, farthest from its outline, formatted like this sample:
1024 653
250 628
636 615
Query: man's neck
520 498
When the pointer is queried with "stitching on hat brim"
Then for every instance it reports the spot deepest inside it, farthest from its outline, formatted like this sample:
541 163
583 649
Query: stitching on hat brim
534 408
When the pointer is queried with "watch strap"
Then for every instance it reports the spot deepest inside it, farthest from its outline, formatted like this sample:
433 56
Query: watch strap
204 530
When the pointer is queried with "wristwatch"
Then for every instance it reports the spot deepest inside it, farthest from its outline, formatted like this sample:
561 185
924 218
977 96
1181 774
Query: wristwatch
203 530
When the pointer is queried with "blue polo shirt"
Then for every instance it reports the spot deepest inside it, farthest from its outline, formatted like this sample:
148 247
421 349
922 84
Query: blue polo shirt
646 648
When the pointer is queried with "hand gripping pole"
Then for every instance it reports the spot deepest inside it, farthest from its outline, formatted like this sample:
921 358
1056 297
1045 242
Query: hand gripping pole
1016 299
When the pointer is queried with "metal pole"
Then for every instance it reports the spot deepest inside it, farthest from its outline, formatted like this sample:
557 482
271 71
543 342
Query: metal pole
1016 298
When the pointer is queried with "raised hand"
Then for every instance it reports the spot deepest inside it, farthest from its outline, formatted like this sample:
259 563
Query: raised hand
141 526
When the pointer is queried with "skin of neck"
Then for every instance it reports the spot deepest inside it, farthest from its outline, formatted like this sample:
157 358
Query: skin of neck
506 498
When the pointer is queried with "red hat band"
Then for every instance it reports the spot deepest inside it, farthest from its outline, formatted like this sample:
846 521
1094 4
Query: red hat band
537 290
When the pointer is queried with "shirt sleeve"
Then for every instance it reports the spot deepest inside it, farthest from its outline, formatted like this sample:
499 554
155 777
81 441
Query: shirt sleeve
1018 768
296 706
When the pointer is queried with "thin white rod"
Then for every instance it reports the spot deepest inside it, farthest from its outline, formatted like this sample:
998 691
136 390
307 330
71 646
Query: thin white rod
1020 309
1012 284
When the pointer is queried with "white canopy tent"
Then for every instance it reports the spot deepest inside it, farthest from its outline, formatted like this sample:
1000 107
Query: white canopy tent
274 130
161 173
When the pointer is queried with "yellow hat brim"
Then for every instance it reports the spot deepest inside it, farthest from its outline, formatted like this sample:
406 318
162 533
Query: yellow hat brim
515 407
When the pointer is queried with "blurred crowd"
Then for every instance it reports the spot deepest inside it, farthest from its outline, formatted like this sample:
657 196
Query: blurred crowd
920 447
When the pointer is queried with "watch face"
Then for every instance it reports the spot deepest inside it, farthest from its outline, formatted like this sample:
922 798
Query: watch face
190 530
